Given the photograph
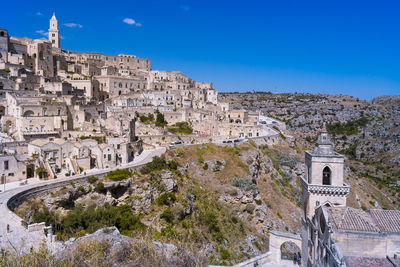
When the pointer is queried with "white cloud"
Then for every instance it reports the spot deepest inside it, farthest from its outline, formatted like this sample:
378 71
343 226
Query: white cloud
73 25
131 22
42 32
39 14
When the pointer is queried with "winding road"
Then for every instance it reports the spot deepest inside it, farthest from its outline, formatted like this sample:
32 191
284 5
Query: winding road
17 237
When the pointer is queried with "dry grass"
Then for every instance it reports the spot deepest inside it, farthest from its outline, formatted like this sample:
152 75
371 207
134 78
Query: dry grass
141 252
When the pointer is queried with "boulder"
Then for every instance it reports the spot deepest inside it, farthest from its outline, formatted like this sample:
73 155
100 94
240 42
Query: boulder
215 165
168 180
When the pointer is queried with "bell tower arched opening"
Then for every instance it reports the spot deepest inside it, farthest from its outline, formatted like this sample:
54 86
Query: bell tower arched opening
326 176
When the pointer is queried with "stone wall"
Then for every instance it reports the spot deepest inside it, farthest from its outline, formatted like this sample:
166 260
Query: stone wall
42 190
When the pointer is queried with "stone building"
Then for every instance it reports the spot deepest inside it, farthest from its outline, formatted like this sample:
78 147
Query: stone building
334 234
4 40
32 116
13 169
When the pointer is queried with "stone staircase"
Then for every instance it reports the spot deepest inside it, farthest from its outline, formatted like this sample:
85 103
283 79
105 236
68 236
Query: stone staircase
75 166
49 170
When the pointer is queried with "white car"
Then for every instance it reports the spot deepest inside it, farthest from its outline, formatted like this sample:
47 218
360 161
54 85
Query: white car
176 143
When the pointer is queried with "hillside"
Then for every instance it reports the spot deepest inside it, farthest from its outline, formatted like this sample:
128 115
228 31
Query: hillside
367 132
219 202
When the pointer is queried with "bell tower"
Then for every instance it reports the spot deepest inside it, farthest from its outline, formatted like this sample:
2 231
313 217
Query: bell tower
323 183
54 34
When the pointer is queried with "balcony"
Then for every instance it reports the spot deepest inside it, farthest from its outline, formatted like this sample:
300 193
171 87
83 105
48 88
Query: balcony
325 189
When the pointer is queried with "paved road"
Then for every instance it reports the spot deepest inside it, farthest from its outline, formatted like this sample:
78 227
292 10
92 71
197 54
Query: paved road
18 237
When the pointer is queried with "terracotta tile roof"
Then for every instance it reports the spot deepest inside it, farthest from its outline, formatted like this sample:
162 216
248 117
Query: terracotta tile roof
369 262
375 221
388 221
349 219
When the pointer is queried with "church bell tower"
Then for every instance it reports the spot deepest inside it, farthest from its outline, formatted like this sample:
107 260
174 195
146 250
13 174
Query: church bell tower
54 34
323 183
322 186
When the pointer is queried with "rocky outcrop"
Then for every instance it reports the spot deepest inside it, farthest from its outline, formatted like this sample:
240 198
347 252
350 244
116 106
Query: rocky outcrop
256 163
117 189
68 200
215 165
107 247
168 180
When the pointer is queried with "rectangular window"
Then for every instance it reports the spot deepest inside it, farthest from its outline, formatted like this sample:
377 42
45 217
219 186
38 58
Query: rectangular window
6 165
109 157
118 146
105 155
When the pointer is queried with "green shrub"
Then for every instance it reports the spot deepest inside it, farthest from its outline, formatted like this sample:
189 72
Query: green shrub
167 215
347 128
166 199
100 188
160 120
92 179
180 128
158 164
205 166
80 220
225 254
119 175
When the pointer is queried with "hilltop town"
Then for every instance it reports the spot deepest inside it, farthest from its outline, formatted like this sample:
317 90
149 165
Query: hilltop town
65 112
105 161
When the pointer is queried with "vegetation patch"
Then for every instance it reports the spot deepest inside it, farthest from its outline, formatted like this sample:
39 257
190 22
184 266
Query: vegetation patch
119 175
90 219
158 164
181 128
347 128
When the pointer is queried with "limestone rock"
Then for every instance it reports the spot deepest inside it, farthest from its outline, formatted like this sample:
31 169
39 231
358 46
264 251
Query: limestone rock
168 180
67 200
215 165
117 189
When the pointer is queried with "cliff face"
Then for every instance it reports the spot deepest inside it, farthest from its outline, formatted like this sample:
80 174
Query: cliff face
218 202
367 132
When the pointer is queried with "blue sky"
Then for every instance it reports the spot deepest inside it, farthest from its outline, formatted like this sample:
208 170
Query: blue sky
336 47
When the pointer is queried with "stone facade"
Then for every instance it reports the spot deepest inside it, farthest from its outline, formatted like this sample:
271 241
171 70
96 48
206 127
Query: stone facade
334 234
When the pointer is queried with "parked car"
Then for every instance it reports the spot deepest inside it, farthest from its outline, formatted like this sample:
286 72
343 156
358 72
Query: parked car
176 143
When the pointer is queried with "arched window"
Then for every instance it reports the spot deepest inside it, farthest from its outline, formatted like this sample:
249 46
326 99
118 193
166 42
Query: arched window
326 176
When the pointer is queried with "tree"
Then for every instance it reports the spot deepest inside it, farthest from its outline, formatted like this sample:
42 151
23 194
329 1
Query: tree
160 121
